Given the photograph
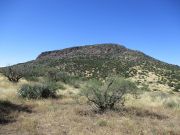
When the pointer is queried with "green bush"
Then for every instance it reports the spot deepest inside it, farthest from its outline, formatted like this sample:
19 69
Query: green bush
56 76
63 77
145 87
106 95
171 104
60 86
38 91
75 82
32 78
52 75
102 123
177 88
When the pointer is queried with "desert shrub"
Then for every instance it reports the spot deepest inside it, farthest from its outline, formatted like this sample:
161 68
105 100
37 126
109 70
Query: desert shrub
171 104
52 75
102 123
177 88
14 74
145 87
34 70
105 95
160 82
56 76
32 78
158 95
170 84
37 91
150 82
155 89
63 77
75 81
138 82
60 86
76 85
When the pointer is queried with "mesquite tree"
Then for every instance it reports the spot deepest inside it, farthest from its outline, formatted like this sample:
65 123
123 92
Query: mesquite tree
106 95
14 74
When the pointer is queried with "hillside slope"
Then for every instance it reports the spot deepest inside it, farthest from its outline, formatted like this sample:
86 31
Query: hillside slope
102 60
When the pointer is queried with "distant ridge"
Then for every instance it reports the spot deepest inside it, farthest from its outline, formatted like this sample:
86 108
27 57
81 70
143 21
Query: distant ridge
102 60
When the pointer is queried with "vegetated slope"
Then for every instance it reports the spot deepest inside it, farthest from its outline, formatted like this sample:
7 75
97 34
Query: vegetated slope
102 60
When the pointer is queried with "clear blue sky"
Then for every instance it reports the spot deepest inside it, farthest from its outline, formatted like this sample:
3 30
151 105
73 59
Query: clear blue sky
28 27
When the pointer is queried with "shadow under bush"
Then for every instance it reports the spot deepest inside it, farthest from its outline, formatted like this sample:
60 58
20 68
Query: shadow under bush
8 109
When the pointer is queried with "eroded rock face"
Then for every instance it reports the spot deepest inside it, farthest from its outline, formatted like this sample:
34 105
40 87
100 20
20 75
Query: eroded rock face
100 50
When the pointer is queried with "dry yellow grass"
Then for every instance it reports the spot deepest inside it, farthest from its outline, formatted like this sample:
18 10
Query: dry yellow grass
8 89
147 115
151 80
